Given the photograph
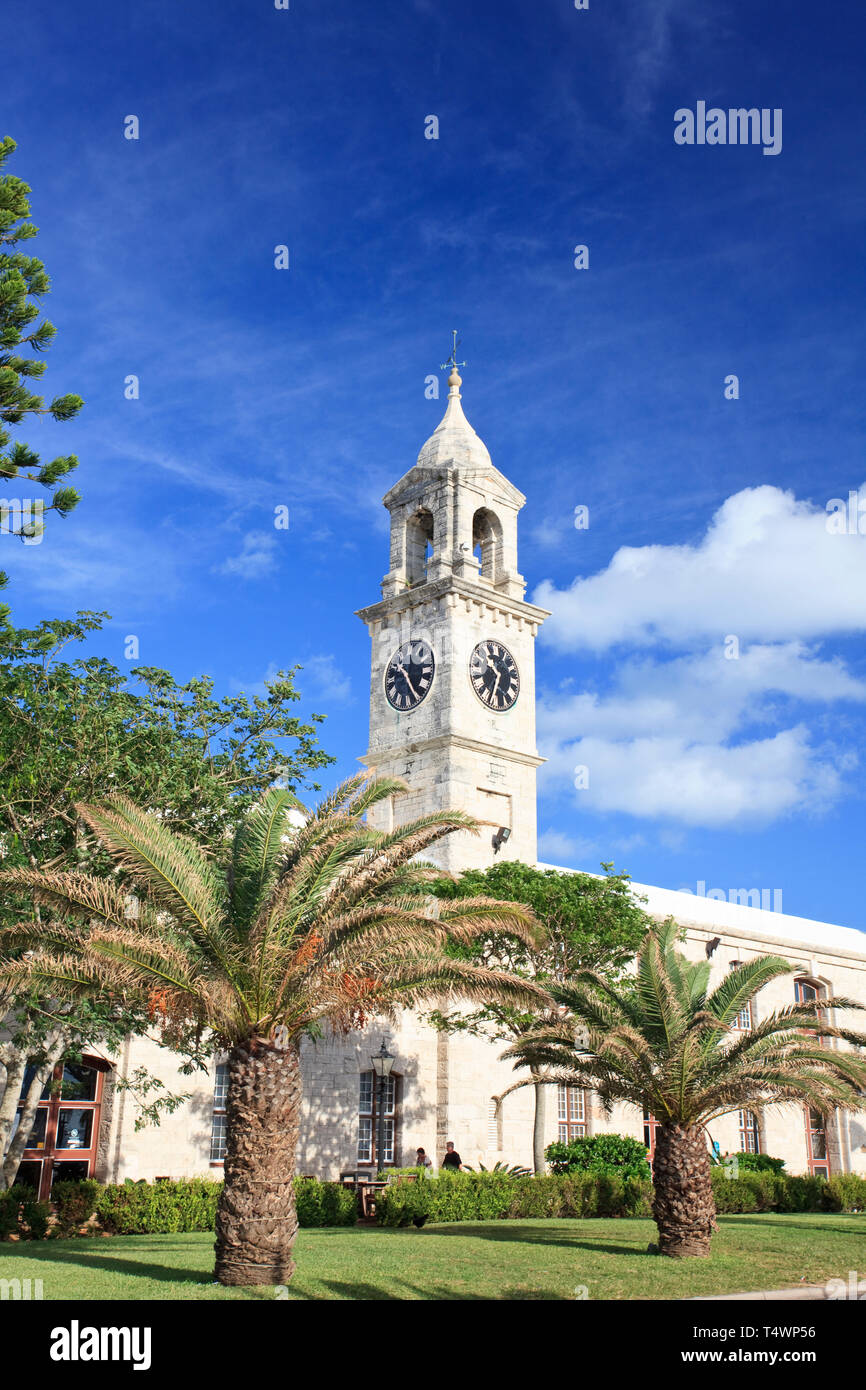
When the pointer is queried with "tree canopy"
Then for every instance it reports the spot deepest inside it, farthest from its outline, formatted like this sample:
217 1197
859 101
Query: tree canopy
23 283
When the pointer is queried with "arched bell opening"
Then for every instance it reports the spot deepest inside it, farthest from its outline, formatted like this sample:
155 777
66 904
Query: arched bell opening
419 545
487 543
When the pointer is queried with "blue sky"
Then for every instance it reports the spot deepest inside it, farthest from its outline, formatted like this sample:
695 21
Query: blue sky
601 387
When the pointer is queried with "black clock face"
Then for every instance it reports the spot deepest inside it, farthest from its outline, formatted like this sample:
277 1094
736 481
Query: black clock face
409 675
494 675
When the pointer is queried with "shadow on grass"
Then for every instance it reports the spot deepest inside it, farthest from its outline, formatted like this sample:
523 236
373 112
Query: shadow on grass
403 1292
536 1235
788 1220
58 1252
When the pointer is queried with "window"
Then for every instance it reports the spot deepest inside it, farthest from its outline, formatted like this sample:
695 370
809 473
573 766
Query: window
493 1125
64 1134
743 1019
572 1113
221 1086
219 1127
804 992
750 1135
218 1138
370 1091
817 1147
650 1125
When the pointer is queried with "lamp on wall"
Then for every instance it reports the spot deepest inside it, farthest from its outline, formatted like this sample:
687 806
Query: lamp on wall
502 834
382 1061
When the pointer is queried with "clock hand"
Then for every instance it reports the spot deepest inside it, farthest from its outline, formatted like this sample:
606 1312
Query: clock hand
405 675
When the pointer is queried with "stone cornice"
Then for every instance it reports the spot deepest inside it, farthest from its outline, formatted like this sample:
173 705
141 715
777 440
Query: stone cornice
419 478
802 950
438 589
451 741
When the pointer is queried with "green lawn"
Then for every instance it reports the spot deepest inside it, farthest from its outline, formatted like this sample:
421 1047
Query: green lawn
495 1260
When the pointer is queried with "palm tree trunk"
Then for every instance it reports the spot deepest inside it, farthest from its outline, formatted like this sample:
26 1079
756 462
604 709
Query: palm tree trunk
256 1222
683 1205
538 1160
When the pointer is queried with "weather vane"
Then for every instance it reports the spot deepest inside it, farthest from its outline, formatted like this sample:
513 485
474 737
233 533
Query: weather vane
452 360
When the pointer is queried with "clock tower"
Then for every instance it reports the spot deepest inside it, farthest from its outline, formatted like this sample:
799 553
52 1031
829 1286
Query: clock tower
452 692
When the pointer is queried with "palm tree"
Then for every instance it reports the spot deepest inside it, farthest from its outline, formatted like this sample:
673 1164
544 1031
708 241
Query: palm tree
283 932
666 1044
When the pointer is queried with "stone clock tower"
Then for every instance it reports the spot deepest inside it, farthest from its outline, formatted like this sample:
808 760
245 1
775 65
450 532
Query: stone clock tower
452 693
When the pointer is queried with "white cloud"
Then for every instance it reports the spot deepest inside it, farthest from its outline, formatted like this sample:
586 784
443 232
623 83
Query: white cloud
257 556
693 737
767 568
701 697
322 676
708 784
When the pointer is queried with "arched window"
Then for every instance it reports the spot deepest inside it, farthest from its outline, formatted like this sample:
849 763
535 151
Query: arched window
571 1113
750 1133
818 1127
419 545
370 1094
805 991
487 542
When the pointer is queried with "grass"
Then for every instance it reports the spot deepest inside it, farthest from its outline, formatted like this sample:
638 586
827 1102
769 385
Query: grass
493 1260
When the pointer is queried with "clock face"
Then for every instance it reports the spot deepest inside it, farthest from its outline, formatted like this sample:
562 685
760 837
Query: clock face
409 675
494 675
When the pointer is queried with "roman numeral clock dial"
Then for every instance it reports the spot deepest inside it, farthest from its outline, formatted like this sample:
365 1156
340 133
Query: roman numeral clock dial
409 675
494 675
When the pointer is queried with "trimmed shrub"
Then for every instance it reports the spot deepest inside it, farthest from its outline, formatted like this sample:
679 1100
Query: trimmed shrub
845 1192
74 1203
167 1207
802 1192
494 1196
615 1155
325 1203
161 1208
758 1163
22 1215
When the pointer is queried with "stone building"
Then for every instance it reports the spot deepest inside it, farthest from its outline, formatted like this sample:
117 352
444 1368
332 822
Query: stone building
452 713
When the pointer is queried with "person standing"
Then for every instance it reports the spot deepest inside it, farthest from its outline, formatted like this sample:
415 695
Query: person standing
452 1158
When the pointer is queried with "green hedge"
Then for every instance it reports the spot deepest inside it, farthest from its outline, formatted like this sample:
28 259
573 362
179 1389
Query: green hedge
159 1208
615 1155
788 1192
74 1203
493 1196
22 1215
164 1208
325 1203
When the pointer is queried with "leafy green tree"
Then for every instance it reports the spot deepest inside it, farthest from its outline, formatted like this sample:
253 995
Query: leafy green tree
672 1047
79 730
590 923
291 929
23 282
